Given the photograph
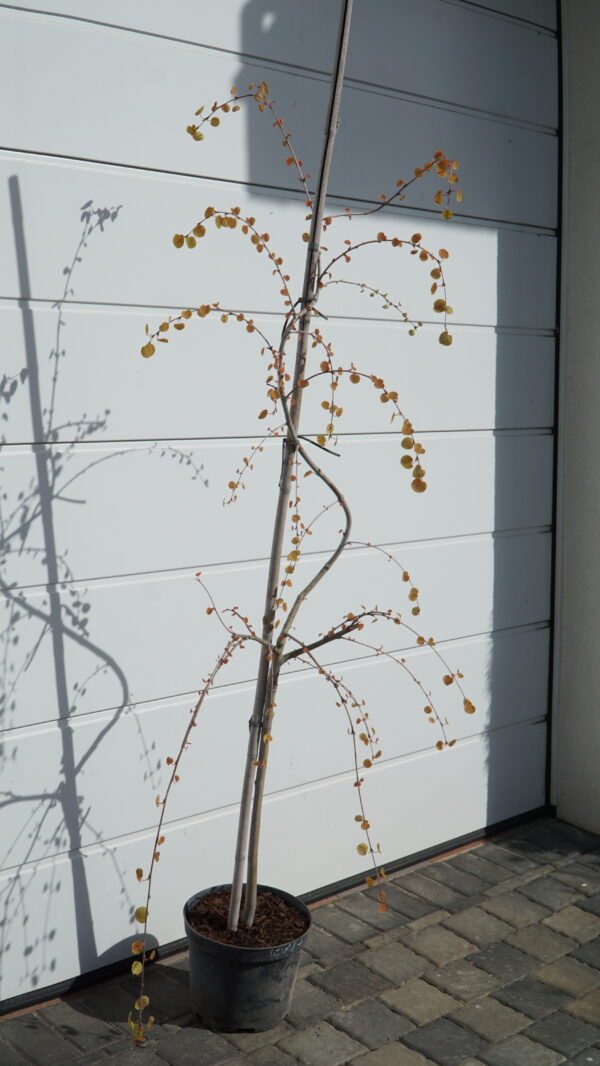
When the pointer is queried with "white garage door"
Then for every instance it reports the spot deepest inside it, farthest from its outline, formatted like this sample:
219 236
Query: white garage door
113 468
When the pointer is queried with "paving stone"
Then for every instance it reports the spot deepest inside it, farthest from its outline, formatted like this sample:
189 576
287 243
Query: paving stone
464 980
583 839
445 873
193 1047
37 1042
10 1057
248 1042
410 906
438 894
131 1056
111 1003
477 926
491 1020
541 942
550 893
592 904
371 1023
520 1051
586 1007
564 1033
264 1056
508 860
310 1004
379 940
341 923
541 843
591 859
437 944
393 1055
472 862
589 1057
445 1042
580 877
326 948
575 923
570 975
420 1001
504 961
322 1045
533 997
396 963
83 1030
350 981
366 910
589 953
515 909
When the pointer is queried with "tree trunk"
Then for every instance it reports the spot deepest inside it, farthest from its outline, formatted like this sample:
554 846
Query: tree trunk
266 684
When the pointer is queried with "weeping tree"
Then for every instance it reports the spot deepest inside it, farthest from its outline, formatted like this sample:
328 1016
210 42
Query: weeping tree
298 358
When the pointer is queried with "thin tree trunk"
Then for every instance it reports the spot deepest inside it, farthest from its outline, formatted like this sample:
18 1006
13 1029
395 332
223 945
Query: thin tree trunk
269 669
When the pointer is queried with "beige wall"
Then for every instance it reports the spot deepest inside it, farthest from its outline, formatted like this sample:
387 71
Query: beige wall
577 749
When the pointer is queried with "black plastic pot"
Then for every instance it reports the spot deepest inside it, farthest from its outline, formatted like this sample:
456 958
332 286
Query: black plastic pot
234 988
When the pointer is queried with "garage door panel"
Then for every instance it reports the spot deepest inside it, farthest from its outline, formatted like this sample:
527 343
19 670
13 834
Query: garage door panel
134 262
496 380
148 638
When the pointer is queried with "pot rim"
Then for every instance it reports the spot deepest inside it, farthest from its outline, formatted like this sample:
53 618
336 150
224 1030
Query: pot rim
273 952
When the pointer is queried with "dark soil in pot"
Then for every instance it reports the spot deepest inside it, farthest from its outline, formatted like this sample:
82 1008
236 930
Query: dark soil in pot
276 921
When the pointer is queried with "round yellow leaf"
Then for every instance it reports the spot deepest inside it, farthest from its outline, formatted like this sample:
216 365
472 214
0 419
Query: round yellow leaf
141 914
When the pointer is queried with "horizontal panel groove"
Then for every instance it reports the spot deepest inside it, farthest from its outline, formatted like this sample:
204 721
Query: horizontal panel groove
493 12
186 571
290 675
314 73
289 192
276 796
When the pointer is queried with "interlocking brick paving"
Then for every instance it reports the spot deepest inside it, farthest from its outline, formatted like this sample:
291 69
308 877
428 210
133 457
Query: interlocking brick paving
490 957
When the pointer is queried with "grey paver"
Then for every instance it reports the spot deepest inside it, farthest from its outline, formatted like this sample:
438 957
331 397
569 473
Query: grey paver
592 904
310 1004
371 1023
131 1056
472 862
491 1020
83 1030
515 909
533 997
367 910
589 1057
10 1057
393 1055
508 860
581 877
564 1033
342 924
326 948
264 1056
30 1035
541 942
586 1007
570 975
477 926
575 923
405 903
420 1001
520 1051
247 1042
350 981
504 961
437 944
589 953
438 894
321 1045
549 892
445 873
464 980
396 963
445 1042
591 858
194 1047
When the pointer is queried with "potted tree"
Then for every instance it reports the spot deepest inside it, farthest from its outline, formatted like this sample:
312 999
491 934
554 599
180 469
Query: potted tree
245 938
